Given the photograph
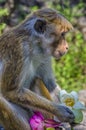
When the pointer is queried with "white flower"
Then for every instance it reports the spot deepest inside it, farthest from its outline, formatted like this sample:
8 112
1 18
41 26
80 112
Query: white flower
72 101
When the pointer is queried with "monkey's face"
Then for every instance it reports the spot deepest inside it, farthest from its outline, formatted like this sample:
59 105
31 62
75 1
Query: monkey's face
50 28
60 47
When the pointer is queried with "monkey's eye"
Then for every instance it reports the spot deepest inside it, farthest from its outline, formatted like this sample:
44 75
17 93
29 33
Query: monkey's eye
63 34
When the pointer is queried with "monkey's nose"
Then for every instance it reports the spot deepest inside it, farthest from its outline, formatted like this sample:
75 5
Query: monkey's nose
67 48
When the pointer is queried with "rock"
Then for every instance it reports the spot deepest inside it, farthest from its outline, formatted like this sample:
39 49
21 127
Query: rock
82 24
81 126
82 96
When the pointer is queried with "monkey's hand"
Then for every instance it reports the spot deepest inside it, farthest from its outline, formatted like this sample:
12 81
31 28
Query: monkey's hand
55 94
64 114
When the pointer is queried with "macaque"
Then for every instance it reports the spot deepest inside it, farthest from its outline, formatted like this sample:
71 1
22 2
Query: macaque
25 54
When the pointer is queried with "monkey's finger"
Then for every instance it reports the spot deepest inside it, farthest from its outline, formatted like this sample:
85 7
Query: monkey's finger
70 113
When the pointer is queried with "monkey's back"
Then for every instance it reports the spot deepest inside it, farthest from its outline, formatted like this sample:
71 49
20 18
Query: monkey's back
11 59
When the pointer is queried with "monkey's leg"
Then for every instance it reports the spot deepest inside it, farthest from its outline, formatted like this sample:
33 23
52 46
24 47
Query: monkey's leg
40 89
10 117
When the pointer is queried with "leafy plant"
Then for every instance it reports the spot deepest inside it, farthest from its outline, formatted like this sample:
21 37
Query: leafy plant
3 12
70 71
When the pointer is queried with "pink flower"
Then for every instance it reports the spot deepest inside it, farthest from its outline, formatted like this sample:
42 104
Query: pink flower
38 122
50 123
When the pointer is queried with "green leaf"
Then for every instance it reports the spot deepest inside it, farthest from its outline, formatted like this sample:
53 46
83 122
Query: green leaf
4 12
78 115
50 128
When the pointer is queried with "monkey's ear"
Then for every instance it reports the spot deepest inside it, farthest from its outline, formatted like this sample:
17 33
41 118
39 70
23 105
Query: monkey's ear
40 26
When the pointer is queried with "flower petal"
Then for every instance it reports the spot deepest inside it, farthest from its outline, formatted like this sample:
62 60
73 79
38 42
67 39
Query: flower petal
33 124
39 115
36 121
62 92
78 115
40 126
66 96
79 105
75 95
50 123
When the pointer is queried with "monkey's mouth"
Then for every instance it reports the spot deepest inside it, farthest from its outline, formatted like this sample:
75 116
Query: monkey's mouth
58 54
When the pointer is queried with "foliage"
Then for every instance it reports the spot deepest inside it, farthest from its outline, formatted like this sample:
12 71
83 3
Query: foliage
70 71
34 8
2 26
3 12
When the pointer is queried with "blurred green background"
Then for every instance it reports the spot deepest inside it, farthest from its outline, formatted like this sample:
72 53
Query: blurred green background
70 70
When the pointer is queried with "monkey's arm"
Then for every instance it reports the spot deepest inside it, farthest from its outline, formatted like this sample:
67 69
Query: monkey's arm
46 75
29 99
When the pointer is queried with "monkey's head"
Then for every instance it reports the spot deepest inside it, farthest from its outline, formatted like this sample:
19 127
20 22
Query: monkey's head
49 26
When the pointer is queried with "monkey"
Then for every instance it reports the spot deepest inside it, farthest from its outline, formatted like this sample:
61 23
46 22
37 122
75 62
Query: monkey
25 54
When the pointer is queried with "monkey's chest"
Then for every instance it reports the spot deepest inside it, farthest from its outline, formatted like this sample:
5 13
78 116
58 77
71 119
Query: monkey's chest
28 73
